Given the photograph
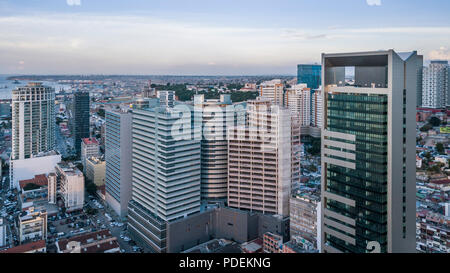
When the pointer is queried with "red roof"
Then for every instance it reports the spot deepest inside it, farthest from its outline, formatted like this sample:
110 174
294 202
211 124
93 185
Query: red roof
91 140
26 247
40 180
96 241
441 182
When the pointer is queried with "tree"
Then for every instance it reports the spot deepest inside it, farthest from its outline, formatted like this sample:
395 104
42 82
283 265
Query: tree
434 121
426 127
31 186
101 112
440 148
315 147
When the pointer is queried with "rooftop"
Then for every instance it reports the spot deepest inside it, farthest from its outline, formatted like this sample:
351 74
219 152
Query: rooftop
26 247
90 141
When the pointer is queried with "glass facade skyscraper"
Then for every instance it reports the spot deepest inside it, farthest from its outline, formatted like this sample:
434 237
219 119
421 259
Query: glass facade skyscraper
81 119
310 74
368 152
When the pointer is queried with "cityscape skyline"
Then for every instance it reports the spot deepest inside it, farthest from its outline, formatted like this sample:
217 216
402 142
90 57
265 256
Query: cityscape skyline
208 37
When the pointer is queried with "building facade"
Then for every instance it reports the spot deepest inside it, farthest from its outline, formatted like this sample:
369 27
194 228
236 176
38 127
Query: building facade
215 116
118 160
273 90
310 74
33 120
89 148
33 225
71 186
81 118
261 159
95 170
435 84
298 100
303 216
166 170
368 153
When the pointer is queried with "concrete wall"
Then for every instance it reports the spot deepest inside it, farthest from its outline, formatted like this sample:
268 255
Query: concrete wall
22 169
222 223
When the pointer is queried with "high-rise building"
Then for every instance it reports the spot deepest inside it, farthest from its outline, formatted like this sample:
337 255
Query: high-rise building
216 116
33 120
273 90
420 79
435 85
71 186
298 100
310 74
166 98
261 159
316 108
89 148
165 172
81 118
368 152
118 160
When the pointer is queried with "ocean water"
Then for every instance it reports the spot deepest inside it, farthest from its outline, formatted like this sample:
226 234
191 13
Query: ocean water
7 86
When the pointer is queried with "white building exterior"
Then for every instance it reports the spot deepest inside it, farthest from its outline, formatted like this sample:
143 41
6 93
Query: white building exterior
316 108
298 100
33 120
166 97
89 148
435 85
71 184
273 90
118 160
22 169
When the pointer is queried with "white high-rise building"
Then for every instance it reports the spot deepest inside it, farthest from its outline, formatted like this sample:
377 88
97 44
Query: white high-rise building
273 90
118 160
165 172
316 108
33 120
216 116
262 159
298 100
435 85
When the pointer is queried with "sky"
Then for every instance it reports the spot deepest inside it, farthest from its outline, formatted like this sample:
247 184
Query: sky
210 37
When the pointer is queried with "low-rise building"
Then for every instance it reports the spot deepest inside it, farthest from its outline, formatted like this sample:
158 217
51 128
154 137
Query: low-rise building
33 247
96 170
95 242
71 185
33 225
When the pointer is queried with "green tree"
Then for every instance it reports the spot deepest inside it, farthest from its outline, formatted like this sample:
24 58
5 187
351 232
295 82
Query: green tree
31 186
434 121
440 148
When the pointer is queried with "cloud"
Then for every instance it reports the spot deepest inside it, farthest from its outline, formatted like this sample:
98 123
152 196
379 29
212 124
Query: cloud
73 2
442 53
373 2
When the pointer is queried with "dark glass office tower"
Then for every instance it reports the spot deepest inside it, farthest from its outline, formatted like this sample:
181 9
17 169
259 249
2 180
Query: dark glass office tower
81 121
310 74
368 152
